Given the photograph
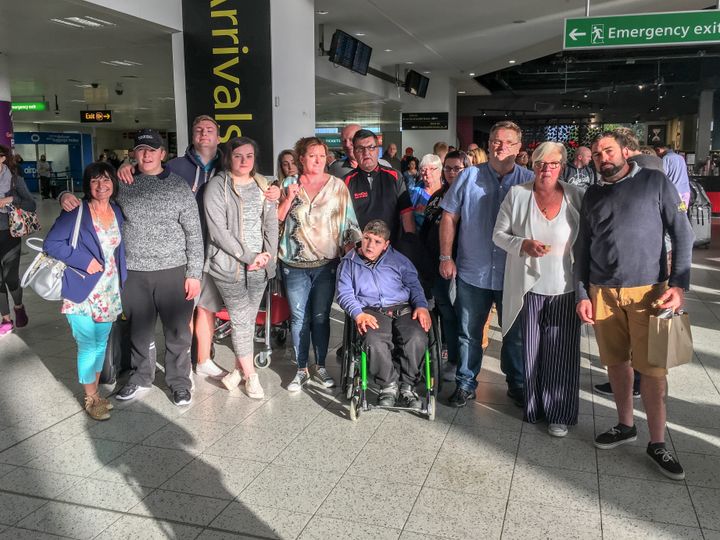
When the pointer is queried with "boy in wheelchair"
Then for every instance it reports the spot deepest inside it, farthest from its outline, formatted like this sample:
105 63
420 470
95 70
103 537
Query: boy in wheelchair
379 288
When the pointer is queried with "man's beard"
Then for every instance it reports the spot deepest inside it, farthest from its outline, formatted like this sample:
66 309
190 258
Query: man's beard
607 172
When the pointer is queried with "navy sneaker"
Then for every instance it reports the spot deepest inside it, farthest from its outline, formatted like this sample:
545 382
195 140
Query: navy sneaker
461 397
131 391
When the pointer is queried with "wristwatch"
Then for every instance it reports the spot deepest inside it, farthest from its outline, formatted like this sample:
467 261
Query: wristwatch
445 258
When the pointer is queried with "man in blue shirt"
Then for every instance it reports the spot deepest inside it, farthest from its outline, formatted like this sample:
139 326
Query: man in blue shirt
676 171
470 207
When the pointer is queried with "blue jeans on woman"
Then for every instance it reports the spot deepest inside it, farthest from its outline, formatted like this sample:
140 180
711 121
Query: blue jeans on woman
310 293
91 338
472 306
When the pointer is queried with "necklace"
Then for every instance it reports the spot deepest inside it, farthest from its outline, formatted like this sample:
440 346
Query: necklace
546 203
105 218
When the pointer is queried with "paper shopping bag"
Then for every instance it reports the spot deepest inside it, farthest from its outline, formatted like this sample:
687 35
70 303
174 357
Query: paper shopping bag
669 340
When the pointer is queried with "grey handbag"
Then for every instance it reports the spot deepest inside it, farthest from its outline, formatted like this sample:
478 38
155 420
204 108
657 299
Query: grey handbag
44 275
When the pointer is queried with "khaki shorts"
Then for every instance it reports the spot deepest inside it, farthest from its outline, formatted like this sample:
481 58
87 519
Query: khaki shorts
622 316
209 297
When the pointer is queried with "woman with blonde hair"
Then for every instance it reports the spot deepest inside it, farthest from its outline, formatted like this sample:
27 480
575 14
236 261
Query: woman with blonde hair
537 227
477 156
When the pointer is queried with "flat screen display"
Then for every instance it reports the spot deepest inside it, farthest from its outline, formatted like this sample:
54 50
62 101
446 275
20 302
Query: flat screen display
416 84
350 52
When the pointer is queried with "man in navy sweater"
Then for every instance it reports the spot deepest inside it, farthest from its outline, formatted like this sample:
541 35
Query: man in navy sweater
621 276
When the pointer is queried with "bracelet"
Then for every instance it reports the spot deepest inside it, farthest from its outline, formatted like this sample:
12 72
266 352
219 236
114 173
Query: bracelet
445 258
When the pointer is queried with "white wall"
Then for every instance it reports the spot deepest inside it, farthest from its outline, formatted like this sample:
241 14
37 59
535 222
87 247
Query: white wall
441 97
167 13
293 74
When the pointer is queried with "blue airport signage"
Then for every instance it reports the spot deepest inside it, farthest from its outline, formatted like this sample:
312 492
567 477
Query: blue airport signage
34 137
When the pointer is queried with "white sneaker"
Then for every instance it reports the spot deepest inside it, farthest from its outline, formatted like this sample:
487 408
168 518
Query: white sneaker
557 430
208 368
232 380
301 377
253 387
322 375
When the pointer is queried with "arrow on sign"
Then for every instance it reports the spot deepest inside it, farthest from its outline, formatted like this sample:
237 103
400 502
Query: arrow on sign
574 34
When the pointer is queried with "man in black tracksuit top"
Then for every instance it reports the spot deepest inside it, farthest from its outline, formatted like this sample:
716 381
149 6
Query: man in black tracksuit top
378 192
622 278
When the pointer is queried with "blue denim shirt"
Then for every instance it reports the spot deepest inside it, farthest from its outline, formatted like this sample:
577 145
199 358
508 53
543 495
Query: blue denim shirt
476 196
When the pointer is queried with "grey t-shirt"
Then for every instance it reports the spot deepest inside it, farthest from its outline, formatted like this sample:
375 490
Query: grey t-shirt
252 198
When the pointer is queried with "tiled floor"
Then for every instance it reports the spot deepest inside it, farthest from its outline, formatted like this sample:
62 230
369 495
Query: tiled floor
295 466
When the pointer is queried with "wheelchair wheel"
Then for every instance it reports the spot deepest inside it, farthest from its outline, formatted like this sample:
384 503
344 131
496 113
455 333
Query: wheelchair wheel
354 408
262 359
431 407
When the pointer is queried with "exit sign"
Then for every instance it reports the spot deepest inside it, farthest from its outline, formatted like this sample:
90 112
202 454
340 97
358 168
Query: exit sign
96 117
644 30
29 106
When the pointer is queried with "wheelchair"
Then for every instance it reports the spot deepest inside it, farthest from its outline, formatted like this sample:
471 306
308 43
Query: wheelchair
354 371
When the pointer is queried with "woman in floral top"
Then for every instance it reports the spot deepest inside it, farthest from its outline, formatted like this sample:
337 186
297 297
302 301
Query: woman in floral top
320 227
94 276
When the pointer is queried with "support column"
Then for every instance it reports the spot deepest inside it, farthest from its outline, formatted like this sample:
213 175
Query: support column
705 125
181 113
6 126
441 97
293 74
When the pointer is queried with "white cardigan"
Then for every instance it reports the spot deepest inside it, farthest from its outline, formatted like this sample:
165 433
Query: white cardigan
511 228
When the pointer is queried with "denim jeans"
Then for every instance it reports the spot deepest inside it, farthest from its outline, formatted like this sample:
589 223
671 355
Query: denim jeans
91 338
444 303
310 294
473 306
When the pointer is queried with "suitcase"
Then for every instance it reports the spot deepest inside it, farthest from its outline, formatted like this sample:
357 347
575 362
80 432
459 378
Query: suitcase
700 215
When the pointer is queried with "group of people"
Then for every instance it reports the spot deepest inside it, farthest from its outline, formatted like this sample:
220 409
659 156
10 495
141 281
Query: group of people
205 230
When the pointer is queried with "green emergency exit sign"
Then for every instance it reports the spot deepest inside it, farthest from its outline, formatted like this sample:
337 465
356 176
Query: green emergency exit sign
29 106
644 30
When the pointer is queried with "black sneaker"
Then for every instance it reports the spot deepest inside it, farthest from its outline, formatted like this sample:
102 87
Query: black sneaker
665 461
130 391
408 397
517 395
388 395
461 397
606 390
616 436
182 397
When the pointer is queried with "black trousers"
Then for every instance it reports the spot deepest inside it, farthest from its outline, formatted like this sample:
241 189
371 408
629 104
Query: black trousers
9 271
145 296
395 350
44 185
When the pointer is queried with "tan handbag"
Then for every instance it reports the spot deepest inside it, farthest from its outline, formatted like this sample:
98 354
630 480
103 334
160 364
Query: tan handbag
669 339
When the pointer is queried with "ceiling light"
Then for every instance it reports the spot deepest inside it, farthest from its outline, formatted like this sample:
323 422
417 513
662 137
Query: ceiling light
640 87
101 21
409 63
66 23
461 91
472 73
511 61
77 101
359 34
120 63
321 12
388 50
83 86
84 22
585 96
426 72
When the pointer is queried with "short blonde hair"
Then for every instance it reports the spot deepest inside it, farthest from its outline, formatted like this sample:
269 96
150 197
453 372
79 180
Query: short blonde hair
549 147
477 156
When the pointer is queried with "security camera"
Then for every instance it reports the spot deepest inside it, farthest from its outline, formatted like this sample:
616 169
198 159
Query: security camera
94 85
119 89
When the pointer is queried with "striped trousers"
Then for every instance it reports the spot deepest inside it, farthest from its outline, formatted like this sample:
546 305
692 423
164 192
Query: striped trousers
551 334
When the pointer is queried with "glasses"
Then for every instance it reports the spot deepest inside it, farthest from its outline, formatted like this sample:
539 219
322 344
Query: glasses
428 170
453 169
365 149
549 164
498 143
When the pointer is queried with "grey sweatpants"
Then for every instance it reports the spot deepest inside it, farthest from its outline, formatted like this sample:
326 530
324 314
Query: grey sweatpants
242 301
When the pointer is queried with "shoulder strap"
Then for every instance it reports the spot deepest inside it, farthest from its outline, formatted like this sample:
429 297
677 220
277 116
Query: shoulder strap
76 230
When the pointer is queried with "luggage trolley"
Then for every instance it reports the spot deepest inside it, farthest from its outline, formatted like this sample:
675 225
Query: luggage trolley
354 376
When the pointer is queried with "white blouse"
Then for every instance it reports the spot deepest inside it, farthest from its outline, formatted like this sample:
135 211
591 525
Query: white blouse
555 266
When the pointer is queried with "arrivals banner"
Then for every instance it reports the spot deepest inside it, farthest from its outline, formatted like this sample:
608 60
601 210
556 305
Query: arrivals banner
227 68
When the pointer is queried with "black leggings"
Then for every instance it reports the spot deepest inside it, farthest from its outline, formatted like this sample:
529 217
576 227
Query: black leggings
9 271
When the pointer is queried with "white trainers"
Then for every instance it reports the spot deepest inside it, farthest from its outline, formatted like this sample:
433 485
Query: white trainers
301 377
557 430
253 387
208 368
232 380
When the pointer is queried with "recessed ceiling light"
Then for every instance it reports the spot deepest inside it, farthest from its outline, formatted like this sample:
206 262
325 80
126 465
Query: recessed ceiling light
511 61
472 73
426 72
120 63
83 86
77 101
321 12
640 87
461 91
388 50
101 21
409 63
66 23
585 96
359 34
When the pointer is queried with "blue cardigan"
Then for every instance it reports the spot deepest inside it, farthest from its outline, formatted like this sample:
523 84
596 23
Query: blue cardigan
77 284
